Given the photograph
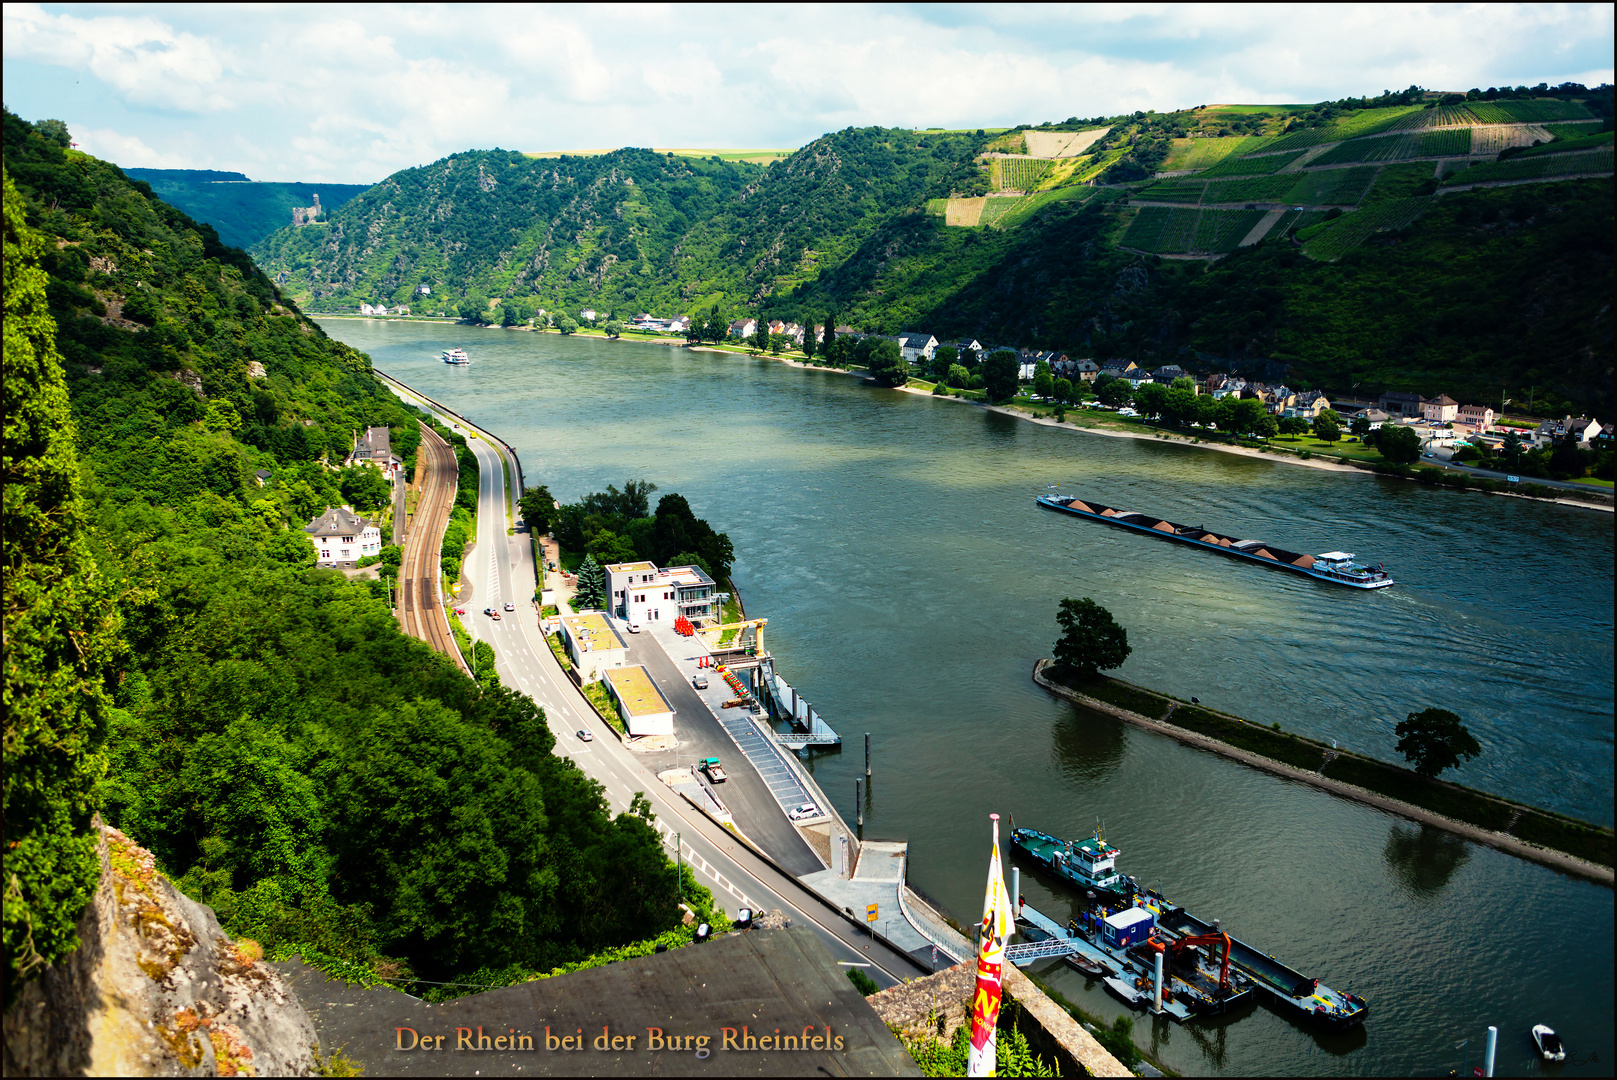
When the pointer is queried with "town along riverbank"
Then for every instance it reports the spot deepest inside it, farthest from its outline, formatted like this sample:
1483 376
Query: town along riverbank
1552 839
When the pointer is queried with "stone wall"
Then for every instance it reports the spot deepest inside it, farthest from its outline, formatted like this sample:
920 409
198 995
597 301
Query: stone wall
939 1004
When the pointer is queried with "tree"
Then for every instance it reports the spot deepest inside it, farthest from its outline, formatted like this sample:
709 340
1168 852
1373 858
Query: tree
958 376
1150 398
999 376
1265 426
760 337
944 357
717 327
1360 427
510 313
614 328
1043 385
1293 425
887 364
566 324
60 631
809 342
590 594
474 309
1511 448
829 334
1434 740
1398 444
777 344
1091 640
1328 426
1062 390
1113 391
56 131
1179 408
537 506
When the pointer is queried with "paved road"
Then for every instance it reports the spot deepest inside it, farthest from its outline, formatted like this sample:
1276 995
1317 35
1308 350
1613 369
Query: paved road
501 570
1494 474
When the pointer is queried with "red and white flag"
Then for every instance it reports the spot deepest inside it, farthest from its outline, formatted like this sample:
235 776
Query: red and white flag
997 926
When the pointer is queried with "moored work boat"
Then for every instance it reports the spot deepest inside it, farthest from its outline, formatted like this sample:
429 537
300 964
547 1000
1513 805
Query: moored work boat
457 357
1090 864
1337 567
1125 923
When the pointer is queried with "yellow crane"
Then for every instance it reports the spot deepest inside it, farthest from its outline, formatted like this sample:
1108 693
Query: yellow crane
757 626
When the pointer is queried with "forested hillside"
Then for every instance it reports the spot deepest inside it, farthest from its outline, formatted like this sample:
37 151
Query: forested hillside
1492 291
242 211
627 230
604 229
293 760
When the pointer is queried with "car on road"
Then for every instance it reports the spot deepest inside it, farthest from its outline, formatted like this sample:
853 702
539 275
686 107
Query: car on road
699 681
584 736
460 611
510 607
634 628
715 771
800 813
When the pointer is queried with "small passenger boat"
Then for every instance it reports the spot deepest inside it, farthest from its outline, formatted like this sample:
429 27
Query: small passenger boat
1548 1043
457 357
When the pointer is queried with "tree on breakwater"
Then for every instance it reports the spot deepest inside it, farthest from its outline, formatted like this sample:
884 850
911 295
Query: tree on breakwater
1091 640
1434 740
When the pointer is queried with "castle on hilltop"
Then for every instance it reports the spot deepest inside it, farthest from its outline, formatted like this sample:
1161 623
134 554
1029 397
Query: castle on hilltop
304 215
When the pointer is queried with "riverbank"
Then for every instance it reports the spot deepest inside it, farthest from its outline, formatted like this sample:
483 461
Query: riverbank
1540 836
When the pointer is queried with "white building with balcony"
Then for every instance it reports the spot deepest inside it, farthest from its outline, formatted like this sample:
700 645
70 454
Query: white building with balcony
639 592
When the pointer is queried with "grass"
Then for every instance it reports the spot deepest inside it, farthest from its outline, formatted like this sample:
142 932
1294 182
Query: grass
556 646
1252 189
1440 142
1535 826
1204 153
598 697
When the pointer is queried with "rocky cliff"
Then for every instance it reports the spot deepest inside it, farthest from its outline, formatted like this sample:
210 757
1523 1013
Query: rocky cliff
156 988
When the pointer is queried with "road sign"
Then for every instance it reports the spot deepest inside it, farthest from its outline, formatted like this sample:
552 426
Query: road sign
870 912
1513 479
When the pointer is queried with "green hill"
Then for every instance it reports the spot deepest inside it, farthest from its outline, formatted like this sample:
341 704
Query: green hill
242 211
618 230
175 662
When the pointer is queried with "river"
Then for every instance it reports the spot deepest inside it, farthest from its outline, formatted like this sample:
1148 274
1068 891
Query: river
910 583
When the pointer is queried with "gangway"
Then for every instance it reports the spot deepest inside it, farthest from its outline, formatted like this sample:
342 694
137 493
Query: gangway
809 728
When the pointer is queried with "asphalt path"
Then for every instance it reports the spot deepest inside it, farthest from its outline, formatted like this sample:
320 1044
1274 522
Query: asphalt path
501 571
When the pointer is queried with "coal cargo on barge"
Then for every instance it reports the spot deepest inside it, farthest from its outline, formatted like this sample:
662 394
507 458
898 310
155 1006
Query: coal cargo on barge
1337 567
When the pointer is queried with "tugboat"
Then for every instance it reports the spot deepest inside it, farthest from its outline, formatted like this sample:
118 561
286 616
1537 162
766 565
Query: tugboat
457 357
1090 863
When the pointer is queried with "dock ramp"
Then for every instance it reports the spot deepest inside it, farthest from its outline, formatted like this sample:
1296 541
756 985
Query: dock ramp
808 729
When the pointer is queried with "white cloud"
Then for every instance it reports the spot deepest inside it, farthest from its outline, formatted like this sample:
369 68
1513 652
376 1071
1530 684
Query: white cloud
351 93
128 150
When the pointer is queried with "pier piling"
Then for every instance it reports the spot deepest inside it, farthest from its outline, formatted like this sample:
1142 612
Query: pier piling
1488 1054
867 755
859 805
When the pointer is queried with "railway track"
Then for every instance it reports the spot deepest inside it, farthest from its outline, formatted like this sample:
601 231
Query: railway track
420 611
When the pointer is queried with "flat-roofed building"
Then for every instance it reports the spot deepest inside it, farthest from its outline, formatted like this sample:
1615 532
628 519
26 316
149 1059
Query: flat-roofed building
592 644
693 592
619 578
644 709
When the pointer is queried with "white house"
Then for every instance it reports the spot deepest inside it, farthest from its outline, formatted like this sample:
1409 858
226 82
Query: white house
1581 427
588 314
744 328
644 709
1479 417
374 448
341 537
592 644
639 592
917 347
1440 410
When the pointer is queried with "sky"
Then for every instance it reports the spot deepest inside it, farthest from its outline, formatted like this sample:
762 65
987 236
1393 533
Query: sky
349 94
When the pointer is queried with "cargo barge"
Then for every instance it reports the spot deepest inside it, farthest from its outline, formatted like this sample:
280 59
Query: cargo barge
1337 567
1122 926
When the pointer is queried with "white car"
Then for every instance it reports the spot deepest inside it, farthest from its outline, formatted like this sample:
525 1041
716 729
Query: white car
1127 412
801 813
634 628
